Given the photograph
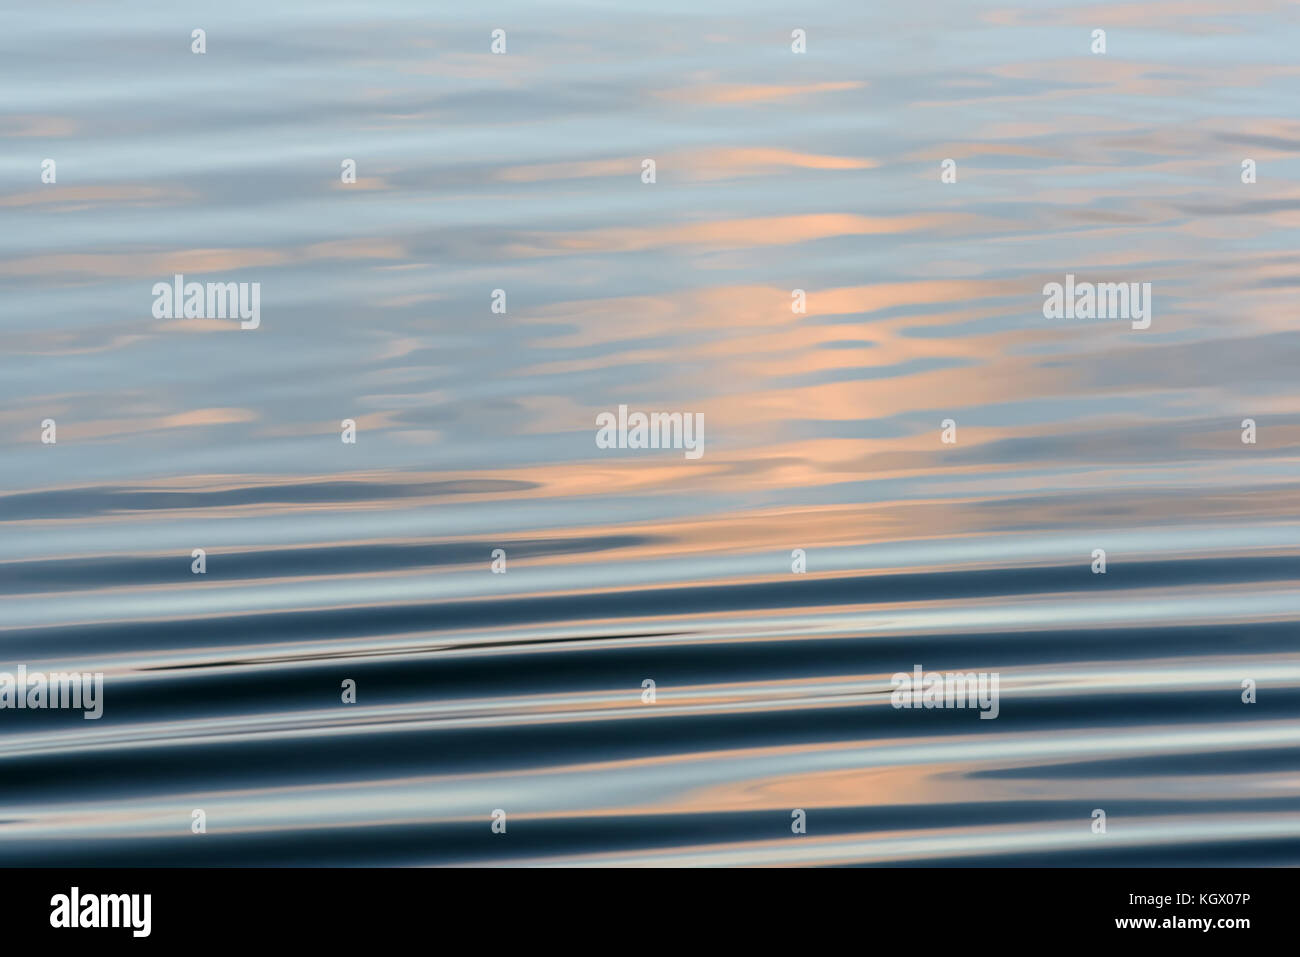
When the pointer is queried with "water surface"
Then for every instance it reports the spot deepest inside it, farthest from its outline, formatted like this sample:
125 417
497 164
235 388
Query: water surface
775 171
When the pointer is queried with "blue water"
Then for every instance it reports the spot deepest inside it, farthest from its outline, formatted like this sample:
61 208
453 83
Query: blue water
522 692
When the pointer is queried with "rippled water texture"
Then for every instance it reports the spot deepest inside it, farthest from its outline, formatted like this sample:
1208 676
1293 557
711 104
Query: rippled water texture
522 691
